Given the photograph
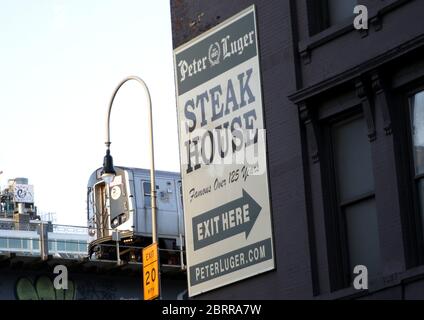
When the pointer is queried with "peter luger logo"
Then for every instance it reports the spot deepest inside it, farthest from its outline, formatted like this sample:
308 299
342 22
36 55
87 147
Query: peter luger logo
217 52
214 53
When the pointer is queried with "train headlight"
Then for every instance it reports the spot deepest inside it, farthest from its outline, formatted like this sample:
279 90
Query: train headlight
115 222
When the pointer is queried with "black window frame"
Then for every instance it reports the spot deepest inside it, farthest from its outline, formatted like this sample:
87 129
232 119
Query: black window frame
340 274
416 176
413 225
319 16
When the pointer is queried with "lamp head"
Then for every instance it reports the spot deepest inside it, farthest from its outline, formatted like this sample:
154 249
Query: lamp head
108 172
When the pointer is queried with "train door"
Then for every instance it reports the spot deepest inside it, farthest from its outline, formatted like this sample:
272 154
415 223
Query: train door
97 210
167 213
147 206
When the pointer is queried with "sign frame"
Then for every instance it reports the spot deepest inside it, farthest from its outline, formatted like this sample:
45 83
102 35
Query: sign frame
23 193
196 218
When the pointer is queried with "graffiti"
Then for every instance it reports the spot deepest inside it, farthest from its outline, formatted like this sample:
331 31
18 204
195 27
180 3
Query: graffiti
42 288
97 291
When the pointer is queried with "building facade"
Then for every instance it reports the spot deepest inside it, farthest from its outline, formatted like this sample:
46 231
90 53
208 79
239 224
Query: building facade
344 114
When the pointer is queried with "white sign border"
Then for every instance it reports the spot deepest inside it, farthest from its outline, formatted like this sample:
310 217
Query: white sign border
178 50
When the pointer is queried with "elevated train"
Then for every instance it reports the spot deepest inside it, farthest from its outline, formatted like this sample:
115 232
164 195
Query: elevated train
124 208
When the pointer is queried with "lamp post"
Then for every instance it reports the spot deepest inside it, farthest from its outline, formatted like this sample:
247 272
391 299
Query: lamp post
108 172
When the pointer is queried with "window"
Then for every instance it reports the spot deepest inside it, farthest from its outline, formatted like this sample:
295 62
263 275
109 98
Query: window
52 245
147 194
72 246
15 243
355 194
35 244
3 243
340 11
82 246
90 203
326 13
61 245
417 132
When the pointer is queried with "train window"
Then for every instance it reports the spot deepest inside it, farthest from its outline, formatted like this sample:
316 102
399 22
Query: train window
147 194
90 205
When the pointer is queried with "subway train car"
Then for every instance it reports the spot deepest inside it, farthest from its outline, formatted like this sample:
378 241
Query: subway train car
122 213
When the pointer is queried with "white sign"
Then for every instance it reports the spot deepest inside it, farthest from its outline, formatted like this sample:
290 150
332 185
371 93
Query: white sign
223 155
23 193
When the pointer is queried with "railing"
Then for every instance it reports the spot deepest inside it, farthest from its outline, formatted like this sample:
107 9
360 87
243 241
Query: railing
25 245
31 246
12 242
176 253
33 226
68 229
77 249
12 225
28 238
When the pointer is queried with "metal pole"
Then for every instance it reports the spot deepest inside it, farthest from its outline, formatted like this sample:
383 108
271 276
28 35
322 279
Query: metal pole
42 242
152 155
118 259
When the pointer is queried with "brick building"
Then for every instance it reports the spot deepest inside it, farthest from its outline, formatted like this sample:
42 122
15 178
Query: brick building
344 113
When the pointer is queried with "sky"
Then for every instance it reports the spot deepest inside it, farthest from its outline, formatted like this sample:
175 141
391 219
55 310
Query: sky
60 61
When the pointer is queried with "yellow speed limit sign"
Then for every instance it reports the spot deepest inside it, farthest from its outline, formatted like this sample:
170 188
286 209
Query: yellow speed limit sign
151 272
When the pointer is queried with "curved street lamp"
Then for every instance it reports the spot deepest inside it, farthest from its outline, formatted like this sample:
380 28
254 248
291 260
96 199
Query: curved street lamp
108 172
